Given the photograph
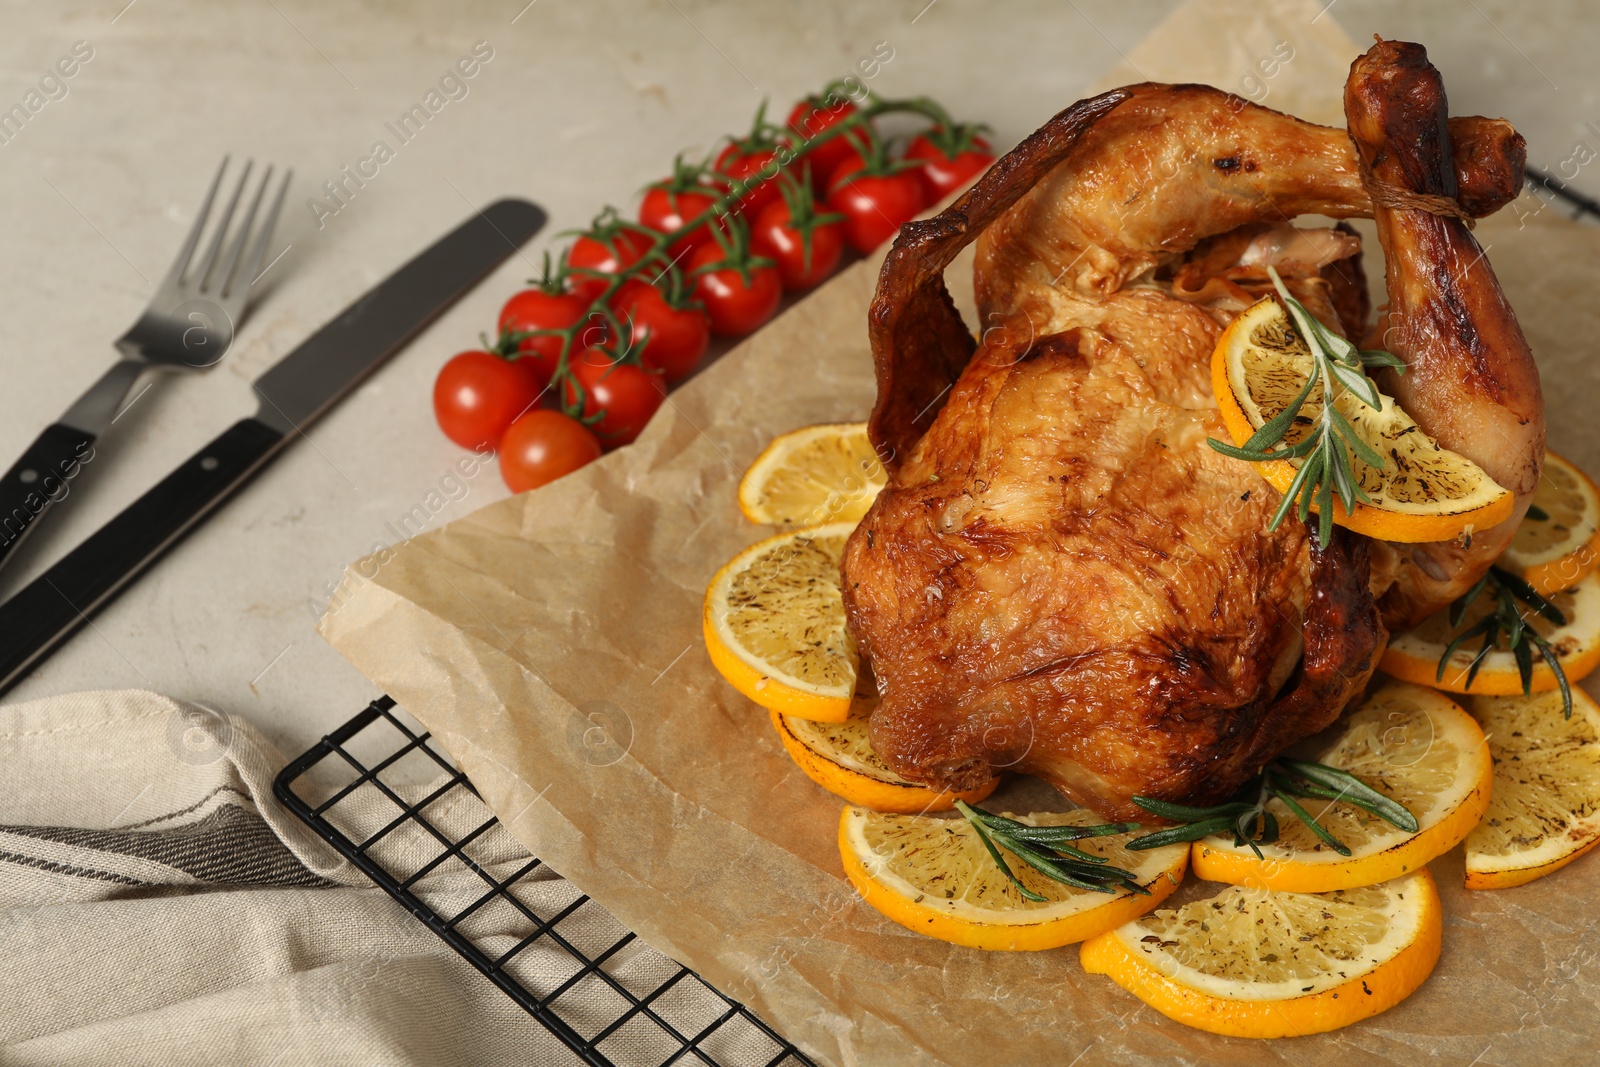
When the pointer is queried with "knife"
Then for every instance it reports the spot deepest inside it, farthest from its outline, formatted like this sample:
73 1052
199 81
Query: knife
293 393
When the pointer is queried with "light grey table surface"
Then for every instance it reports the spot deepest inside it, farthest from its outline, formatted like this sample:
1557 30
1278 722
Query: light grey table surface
582 103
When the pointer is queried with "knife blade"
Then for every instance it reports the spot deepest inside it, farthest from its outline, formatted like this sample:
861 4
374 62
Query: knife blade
292 393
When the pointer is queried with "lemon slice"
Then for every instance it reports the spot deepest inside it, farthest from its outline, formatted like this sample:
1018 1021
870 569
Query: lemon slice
1414 655
838 756
1413 745
1423 492
814 475
934 876
1258 963
774 624
1556 551
1546 807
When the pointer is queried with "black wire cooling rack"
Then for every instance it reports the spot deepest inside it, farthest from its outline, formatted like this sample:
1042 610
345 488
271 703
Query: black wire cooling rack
1581 206
671 1032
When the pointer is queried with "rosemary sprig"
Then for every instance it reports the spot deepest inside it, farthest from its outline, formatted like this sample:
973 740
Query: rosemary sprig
1522 639
1252 824
1046 850
1326 448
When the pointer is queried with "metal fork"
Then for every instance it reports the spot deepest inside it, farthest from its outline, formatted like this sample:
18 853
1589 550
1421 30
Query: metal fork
187 327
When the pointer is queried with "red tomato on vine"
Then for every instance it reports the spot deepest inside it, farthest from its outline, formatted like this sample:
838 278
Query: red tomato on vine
813 117
752 174
608 247
875 201
670 337
623 395
478 394
950 157
739 290
544 445
539 309
752 164
671 205
803 243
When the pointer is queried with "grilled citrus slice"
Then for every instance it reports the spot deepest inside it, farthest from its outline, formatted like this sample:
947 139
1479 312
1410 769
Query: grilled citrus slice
838 756
774 624
1413 745
934 876
1414 655
1558 544
1422 493
1546 807
814 475
1258 963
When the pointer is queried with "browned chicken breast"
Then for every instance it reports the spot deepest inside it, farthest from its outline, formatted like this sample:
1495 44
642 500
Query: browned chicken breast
1062 578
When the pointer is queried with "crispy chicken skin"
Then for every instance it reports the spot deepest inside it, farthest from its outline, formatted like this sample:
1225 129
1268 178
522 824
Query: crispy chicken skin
1061 577
1470 382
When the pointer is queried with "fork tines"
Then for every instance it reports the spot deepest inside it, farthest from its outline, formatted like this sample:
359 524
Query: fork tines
221 279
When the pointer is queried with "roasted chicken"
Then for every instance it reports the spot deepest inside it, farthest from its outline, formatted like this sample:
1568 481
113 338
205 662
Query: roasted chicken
1062 578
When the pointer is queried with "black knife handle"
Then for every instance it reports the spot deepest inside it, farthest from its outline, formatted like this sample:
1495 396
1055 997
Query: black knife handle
40 478
53 606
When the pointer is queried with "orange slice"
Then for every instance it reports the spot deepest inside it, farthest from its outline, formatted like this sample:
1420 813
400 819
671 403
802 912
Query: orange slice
933 875
1422 493
1413 745
1256 963
1546 807
1556 546
1414 655
774 624
814 475
838 756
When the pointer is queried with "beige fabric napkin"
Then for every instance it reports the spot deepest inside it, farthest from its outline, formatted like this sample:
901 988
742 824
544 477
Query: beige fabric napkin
158 906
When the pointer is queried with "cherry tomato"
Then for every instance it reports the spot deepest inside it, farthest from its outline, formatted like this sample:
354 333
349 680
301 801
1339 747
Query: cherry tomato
666 211
541 446
851 159
673 339
606 253
775 237
536 309
813 116
735 306
477 394
756 171
623 394
943 175
874 205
